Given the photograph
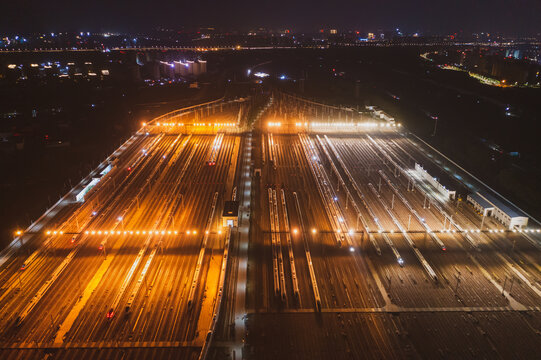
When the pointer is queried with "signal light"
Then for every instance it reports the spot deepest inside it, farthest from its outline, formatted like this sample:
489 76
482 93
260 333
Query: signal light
110 314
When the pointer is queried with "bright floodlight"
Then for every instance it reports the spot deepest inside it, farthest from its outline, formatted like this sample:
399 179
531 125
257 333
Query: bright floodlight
261 74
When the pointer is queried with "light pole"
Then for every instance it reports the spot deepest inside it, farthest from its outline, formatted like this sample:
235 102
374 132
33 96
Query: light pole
435 125
482 221
444 222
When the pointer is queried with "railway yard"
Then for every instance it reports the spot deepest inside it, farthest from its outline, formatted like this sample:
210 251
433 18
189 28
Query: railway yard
343 249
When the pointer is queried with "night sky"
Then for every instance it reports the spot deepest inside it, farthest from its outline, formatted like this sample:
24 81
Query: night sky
432 16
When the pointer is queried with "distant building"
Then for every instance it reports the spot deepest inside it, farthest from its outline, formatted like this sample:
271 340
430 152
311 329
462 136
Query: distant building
203 67
189 67
167 70
197 68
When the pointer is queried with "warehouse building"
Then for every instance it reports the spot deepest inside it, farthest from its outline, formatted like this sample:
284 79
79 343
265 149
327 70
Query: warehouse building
488 205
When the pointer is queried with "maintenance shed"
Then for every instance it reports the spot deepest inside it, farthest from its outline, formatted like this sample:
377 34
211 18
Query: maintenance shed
489 205
230 216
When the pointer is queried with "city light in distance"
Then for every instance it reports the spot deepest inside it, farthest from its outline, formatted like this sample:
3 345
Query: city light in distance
261 74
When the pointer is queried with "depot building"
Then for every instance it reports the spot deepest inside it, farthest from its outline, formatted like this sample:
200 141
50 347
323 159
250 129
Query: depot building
488 205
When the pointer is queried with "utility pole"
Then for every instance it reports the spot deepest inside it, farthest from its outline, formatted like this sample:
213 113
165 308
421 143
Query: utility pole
444 222
435 126
482 221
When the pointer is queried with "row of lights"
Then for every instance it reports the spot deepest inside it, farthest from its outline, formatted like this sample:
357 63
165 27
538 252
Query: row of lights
131 232
215 124
351 232
295 231
195 124
350 124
